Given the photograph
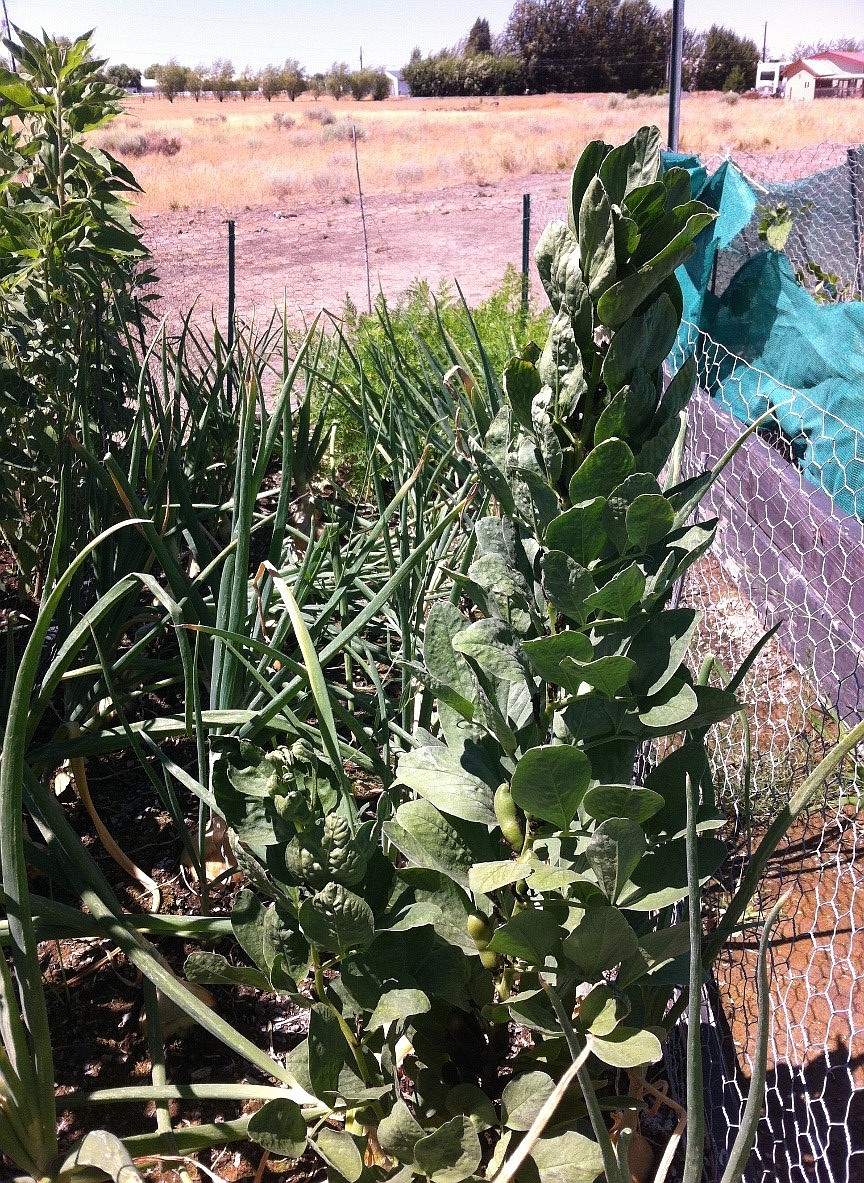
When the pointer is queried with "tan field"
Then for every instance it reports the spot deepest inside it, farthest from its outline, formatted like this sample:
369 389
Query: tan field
198 155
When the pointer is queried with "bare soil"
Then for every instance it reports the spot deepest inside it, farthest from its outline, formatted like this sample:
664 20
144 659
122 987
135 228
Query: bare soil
310 254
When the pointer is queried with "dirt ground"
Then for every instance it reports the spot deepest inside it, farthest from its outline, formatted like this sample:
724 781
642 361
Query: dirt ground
310 254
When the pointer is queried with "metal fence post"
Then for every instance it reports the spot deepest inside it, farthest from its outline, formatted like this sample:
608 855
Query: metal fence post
526 248
231 297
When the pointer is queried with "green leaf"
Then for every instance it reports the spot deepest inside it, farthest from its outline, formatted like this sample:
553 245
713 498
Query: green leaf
547 653
601 940
340 1151
106 1153
587 167
627 1047
451 1153
648 520
607 801
614 852
605 466
337 920
529 936
606 675
486 878
443 624
661 877
327 1049
428 840
491 644
437 773
602 1009
656 950
550 782
620 500
622 593
468 1099
399 1133
247 924
279 1127
597 239
579 531
567 1158
660 647
645 339
566 584
523 1098
521 382
209 969
397 1006
671 708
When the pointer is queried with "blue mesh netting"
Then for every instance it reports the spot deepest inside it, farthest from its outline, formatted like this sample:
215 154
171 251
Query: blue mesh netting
755 301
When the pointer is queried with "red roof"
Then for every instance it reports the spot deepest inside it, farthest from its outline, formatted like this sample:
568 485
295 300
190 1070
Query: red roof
845 59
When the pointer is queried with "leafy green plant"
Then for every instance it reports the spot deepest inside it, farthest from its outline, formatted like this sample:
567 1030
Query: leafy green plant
528 863
69 253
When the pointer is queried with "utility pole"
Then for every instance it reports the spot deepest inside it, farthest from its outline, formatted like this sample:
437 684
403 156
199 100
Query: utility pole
675 58
765 44
361 50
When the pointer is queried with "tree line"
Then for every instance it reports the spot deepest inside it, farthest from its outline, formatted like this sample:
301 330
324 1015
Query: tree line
583 45
220 80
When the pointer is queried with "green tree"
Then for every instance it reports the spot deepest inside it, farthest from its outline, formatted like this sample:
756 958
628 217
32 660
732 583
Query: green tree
172 79
639 32
360 83
294 80
336 82
271 82
195 82
380 86
722 52
221 79
126 77
479 38
806 49
543 33
247 83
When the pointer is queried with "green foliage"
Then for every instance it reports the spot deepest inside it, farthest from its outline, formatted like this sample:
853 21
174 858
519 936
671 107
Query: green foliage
723 53
472 74
567 45
69 254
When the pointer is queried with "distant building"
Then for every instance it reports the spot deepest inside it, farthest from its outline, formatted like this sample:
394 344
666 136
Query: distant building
834 74
769 77
399 88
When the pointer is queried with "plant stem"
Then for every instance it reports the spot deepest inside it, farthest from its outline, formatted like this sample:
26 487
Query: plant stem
694 1163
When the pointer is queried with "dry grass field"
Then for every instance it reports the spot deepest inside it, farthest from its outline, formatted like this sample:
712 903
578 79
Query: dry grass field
189 155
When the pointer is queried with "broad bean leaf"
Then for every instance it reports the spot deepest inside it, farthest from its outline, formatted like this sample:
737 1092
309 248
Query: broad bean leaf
614 852
451 1153
606 675
399 1133
247 924
627 1047
470 1100
337 920
648 520
208 969
279 1126
620 595
397 1006
340 1151
523 1098
327 1049
579 531
605 467
529 936
661 877
491 644
547 654
439 774
428 839
549 782
597 239
602 1009
521 382
644 340
606 801
444 622
660 648
601 940
569 1157
567 584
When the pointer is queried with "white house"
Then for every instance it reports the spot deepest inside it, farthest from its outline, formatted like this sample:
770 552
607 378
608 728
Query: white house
399 88
830 75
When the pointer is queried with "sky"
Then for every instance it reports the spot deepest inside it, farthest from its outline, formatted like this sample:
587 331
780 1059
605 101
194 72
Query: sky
319 32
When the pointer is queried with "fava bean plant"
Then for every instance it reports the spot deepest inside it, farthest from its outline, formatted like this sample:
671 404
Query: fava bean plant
537 865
